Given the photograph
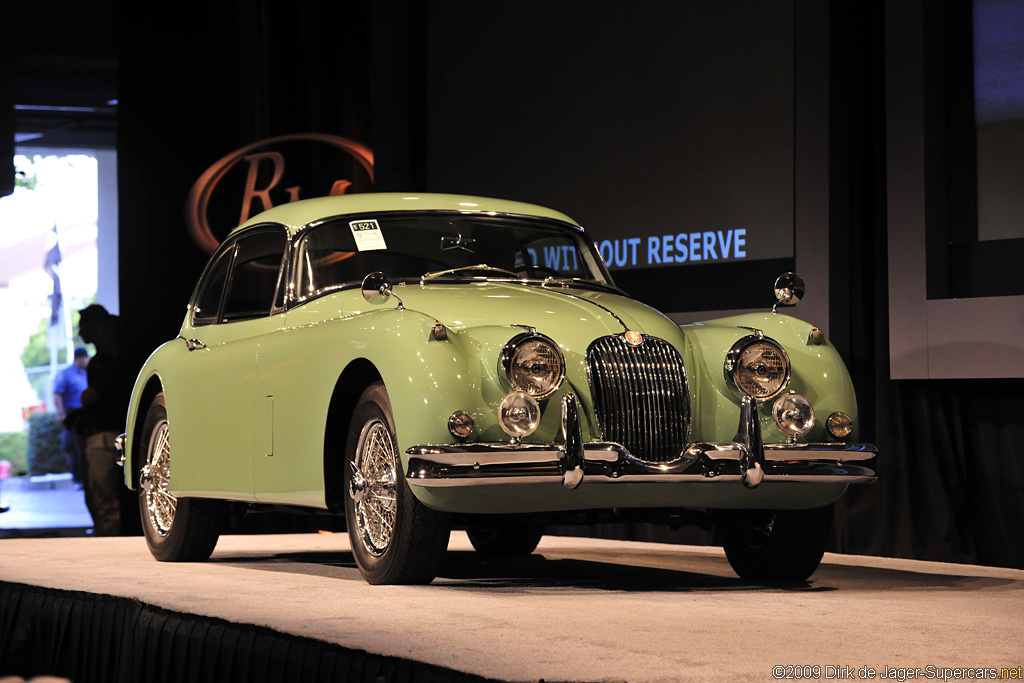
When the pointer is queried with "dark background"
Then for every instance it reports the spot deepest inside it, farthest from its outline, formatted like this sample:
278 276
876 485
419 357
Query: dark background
662 114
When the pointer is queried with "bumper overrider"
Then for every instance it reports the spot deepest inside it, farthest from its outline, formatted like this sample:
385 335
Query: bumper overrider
746 459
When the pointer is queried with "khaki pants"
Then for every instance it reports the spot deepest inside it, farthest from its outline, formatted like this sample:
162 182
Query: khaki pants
102 483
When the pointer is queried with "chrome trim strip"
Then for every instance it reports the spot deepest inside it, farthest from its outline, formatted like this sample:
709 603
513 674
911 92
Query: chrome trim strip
750 444
499 463
574 459
625 327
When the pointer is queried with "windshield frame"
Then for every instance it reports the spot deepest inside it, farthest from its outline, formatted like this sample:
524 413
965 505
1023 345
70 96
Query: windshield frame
590 254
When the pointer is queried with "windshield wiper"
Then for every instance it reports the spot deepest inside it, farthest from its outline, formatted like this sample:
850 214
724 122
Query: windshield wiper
580 282
479 267
548 281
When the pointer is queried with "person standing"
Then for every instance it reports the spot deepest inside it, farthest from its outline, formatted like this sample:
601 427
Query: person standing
67 396
104 406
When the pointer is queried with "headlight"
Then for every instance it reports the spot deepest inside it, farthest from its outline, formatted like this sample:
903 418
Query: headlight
534 364
758 367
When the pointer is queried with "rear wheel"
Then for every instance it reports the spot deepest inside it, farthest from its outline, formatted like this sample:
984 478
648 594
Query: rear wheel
395 539
505 540
776 545
176 529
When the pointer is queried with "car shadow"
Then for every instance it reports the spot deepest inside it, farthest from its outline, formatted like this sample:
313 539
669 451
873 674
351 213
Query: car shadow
862 578
469 570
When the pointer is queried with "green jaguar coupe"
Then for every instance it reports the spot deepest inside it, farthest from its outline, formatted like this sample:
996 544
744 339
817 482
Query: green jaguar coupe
424 362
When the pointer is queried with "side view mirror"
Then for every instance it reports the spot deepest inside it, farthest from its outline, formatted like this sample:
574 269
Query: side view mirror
377 289
789 289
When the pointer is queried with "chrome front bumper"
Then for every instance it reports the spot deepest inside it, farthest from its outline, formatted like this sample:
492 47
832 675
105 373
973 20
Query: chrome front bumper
119 447
746 459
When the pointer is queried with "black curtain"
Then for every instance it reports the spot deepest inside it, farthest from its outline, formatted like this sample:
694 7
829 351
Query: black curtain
951 470
90 638
198 80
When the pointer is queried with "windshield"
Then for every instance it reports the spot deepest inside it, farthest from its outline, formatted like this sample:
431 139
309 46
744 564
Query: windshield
443 247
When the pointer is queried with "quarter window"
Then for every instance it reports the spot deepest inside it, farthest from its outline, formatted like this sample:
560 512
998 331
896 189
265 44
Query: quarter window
255 276
208 303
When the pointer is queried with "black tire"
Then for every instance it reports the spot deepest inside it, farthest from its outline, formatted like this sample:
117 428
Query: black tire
395 539
176 529
776 545
505 540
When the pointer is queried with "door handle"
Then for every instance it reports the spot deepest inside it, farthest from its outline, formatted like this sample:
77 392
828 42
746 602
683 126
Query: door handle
194 344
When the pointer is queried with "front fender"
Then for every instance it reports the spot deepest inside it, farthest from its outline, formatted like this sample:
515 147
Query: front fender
819 374
147 385
429 379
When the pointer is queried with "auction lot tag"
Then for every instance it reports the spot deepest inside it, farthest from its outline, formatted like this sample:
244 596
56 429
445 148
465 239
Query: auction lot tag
367 235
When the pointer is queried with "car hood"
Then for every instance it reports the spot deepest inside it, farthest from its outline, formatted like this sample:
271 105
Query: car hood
561 313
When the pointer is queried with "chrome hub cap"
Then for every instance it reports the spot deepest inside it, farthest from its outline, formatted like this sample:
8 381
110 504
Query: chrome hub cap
372 487
155 479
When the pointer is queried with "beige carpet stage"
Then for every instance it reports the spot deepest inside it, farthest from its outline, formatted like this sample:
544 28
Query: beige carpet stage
578 610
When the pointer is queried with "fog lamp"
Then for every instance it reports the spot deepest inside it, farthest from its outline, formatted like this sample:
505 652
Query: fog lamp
839 425
518 414
461 424
794 415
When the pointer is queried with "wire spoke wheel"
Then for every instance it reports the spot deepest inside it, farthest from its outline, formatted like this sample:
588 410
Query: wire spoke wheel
373 487
394 538
176 529
159 503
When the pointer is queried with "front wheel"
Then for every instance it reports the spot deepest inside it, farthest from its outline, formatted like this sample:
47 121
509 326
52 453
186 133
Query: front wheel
395 539
776 545
176 529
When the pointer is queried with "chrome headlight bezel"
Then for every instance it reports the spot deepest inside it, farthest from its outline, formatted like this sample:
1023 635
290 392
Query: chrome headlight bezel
734 365
516 345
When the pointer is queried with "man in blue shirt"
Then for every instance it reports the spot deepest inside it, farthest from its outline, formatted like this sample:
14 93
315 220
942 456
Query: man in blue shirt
67 396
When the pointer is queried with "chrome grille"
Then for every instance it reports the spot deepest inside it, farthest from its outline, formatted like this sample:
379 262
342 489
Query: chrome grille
640 396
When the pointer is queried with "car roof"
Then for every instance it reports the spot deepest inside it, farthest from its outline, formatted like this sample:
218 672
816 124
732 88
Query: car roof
297 214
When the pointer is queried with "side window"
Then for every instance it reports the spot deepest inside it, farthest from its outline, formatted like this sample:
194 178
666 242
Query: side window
255 276
208 301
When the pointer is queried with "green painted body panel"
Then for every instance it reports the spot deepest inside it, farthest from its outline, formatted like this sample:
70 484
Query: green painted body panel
298 214
248 414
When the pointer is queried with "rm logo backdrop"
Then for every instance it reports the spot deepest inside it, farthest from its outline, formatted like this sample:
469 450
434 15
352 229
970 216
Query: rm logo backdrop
271 172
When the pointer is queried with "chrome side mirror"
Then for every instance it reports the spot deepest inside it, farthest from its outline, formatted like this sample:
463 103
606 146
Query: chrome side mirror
789 289
377 289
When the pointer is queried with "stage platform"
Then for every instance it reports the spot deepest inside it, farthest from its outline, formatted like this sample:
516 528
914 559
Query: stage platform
577 610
